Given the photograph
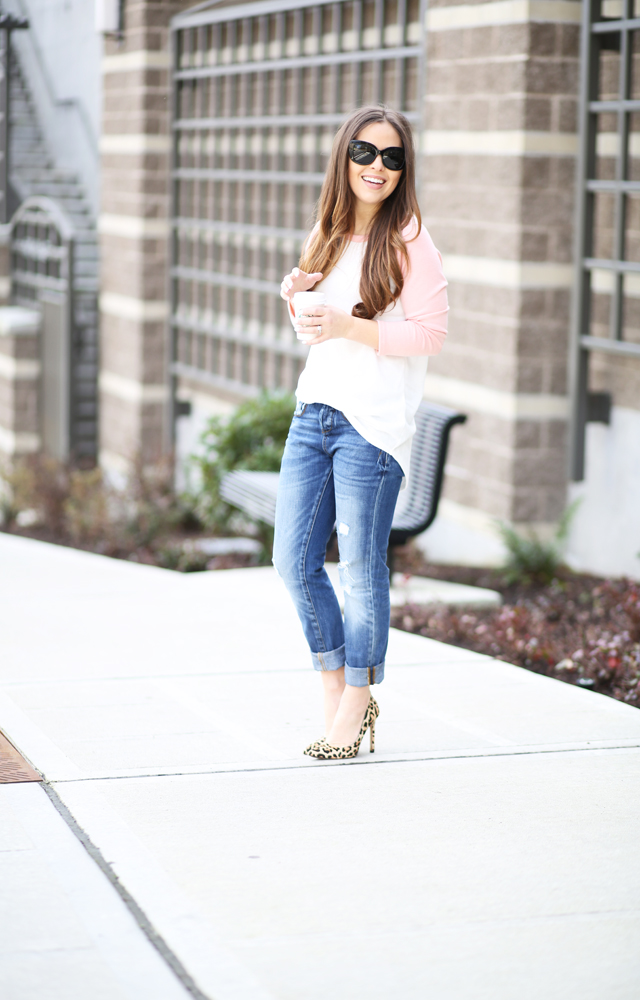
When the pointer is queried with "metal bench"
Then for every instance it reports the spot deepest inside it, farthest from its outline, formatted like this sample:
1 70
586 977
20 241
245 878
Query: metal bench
254 493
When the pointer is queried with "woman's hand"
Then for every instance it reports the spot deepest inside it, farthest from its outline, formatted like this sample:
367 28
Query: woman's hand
328 321
298 281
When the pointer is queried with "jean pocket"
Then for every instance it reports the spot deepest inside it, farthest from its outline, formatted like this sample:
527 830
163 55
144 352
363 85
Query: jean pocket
300 408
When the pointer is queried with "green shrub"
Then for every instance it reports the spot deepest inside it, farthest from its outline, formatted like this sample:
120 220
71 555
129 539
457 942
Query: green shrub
252 438
178 557
529 558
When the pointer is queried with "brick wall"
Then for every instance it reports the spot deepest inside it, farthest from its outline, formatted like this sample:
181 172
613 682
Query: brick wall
498 198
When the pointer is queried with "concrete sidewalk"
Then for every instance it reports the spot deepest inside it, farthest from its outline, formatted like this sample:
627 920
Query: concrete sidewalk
183 846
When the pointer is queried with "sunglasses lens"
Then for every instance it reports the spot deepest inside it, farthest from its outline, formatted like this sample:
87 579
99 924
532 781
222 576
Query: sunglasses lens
393 158
362 152
365 153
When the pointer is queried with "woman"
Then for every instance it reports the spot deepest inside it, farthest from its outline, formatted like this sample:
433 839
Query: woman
349 446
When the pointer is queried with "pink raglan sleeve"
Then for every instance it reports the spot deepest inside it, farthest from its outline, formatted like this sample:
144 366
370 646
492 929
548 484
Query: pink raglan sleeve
424 301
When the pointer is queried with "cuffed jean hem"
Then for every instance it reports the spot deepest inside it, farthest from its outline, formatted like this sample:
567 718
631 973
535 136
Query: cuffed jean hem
333 660
360 677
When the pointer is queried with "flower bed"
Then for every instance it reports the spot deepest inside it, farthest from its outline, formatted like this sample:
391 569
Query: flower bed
580 629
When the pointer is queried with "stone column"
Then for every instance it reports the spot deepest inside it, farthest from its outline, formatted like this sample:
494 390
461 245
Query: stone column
19 382
498 199
134 231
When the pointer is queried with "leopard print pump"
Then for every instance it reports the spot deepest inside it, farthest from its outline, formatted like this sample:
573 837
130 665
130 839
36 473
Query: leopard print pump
322 750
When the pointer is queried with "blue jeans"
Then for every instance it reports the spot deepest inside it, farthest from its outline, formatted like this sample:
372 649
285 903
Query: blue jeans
331 476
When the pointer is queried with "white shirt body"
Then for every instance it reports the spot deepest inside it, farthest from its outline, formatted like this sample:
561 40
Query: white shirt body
378 393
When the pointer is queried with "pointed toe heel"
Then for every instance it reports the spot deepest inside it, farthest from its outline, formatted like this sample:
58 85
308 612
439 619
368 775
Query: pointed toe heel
322 750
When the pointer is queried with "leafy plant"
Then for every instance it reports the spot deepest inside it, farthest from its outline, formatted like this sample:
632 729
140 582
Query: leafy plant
39 485
530 559
153 508
181 558
17 482
88 509
80 506
252 438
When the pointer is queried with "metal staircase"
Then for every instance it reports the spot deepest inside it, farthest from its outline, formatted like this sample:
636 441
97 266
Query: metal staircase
33 173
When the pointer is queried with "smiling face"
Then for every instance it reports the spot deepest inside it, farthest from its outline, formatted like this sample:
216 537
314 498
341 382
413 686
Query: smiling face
372 184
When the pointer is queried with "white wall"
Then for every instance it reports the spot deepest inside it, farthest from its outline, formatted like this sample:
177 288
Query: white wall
60 54
189 430
605 535
462 536
606 532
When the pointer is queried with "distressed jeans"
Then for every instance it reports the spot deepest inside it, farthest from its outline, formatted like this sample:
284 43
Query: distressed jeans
331 476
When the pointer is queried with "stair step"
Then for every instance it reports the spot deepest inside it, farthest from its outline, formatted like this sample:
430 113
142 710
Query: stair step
87 285
20 116
27 144
84 226
30 153
58 190
26 130
87 251
36 175
74 207
85 269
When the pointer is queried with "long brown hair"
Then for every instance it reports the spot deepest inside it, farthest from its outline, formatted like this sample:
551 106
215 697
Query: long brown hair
381 278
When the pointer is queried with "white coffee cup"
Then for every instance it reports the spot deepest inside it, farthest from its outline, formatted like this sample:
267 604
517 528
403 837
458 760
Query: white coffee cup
303 305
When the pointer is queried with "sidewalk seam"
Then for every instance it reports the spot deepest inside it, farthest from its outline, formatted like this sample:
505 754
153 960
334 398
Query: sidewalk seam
138 914
363 762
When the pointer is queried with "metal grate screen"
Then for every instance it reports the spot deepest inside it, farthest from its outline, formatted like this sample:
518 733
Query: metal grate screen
42 248
259 92
607 313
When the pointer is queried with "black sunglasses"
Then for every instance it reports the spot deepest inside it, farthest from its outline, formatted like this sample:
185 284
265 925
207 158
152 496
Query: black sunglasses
365 153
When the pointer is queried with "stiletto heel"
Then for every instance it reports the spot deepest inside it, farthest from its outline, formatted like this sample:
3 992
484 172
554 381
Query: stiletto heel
324 751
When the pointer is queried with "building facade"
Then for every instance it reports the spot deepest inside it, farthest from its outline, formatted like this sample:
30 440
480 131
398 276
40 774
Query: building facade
215 126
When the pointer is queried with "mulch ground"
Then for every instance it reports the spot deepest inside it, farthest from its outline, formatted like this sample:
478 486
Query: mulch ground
581 629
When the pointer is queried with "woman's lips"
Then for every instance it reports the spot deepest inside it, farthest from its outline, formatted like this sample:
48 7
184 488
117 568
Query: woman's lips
372 184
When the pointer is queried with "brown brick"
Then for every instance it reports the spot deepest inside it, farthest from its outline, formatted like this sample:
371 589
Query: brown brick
568 115
543 39
528 434
619 376
536 114
569 40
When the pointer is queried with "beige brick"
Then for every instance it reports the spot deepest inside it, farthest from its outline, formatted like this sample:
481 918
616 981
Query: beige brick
619 376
